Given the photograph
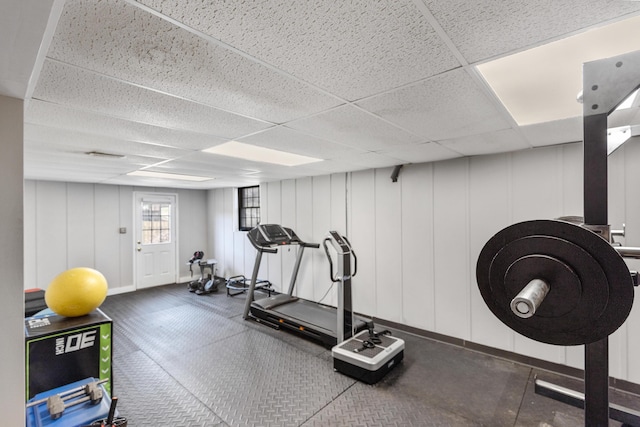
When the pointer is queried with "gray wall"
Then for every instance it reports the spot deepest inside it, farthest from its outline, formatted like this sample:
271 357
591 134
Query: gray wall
418 240
72 225
11 258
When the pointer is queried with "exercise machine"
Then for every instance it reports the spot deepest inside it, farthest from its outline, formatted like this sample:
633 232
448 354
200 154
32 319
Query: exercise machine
565 282
237 285
208 282
311 319
368 355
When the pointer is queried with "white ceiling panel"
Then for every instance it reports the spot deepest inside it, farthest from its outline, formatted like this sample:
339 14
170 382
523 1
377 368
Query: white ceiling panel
200 164
67 85
368 160
64 117
293 141
65 161
352 49
427 152
447 106
122 41
488 28
26 27
487 143
350 126
557 132
70 141
359 83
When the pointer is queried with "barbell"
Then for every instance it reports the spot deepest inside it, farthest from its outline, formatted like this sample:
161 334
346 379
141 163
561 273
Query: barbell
555 281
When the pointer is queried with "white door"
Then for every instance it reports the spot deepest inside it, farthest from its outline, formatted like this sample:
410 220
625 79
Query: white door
155 234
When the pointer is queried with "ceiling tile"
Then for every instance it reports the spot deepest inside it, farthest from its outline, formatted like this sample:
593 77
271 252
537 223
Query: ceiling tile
352 49
66 117
427 152
447 106
488 28
293 141
67 85
63 140
350 126
368 161
556 132
487 143
121 40
25 27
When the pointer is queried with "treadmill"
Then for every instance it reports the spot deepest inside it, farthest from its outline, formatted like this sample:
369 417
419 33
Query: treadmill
309 318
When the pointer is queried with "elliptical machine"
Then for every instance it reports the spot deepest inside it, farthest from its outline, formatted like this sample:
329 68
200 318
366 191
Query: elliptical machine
206 283
369 355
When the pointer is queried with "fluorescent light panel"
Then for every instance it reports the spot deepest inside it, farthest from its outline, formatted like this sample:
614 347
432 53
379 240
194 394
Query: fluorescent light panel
260 154
164 175
541 84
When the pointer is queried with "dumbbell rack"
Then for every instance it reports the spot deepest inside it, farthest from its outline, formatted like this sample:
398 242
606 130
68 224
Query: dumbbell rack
78 403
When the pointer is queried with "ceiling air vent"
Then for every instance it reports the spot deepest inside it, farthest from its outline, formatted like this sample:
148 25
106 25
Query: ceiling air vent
105 155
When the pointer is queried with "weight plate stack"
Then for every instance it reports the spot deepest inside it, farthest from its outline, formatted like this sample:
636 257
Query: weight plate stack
590 287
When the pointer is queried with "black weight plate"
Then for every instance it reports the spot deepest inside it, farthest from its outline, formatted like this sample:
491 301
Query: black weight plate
573 295
590 276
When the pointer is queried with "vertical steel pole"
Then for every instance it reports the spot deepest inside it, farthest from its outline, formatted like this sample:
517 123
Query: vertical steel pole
596 369
606 83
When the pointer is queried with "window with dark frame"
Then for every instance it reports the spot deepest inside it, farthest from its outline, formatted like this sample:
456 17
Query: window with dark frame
248 207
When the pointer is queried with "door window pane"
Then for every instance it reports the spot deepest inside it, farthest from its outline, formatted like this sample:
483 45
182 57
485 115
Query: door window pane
156 222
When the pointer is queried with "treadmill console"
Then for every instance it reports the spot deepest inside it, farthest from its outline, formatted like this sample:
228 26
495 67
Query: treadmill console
275 234
344 246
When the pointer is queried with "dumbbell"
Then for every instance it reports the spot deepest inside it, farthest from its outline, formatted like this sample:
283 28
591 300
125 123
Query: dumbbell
57 403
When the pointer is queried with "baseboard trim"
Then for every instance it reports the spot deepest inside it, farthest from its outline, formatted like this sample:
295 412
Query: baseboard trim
557 368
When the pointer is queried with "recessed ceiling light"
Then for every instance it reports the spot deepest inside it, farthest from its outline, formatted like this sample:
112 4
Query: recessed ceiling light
164 175
260 154
540 85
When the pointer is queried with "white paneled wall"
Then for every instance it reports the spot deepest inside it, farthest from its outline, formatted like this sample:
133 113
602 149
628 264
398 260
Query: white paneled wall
418 239
77 225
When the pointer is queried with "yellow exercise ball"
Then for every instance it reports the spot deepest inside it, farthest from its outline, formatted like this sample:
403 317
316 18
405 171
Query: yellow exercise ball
76 292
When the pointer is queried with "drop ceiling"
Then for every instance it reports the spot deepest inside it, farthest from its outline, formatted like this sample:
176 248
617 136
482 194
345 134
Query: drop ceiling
359 84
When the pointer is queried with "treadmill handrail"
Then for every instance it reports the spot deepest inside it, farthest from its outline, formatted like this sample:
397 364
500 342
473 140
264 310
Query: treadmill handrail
326 251
355 258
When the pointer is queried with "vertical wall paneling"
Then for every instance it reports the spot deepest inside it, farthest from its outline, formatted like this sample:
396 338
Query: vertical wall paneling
193 228
418 286
616 214
632 238
361 229
51 223
80 225
127 243
572 167
230 229
451 255
388 260
488 214
217 214
106 225
304 228
288 215
322 208
537 195
338 201
273 216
